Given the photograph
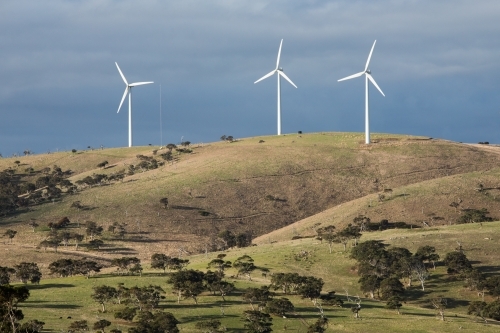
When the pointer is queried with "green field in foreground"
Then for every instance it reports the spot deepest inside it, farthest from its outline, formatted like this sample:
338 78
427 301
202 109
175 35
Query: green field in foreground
57 299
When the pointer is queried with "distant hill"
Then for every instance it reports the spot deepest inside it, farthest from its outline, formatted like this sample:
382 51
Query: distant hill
258 185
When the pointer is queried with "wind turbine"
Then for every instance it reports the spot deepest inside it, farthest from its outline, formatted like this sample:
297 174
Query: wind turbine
368 76
128 90
280 73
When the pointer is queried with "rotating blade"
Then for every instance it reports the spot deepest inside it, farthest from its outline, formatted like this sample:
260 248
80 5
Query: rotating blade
123 76
286 77
265 76
375 83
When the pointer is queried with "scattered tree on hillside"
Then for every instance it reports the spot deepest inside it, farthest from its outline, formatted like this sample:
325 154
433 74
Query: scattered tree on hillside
328 234
126 313
102 164
259 296
245 266
474 216
319 326
476 308
33 225
10 315
440 304
279 306
103 294
125 264
456 262
394 302
146 298
78 326
10 234
28 271
257 322
100 325
5 273
391 287
92 229
158 322
427 253
208 326
220 265
164 202
187 284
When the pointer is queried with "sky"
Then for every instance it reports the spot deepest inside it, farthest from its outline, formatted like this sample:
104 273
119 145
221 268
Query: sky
438 63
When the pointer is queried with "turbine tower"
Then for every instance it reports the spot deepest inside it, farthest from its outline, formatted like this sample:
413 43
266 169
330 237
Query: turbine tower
128 90
280 73
368 76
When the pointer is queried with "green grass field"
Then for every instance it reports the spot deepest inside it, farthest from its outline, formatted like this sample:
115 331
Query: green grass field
56 299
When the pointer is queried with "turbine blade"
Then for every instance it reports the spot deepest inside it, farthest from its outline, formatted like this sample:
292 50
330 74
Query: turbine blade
375 83
123 76
279 54
123 98
352 76
286 77
370 56
265 76
139 84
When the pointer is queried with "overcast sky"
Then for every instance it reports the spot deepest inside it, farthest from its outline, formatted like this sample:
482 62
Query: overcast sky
438 63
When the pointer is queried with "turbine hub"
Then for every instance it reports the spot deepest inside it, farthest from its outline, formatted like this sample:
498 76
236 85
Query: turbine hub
368 71
280 69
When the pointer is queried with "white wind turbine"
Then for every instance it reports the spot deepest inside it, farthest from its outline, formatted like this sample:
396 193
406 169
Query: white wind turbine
368 76
128 90
280 72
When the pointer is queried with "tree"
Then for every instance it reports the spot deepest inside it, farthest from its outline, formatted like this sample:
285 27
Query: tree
78 326
28 271
476 308
187 283
427 253
346 234
5 273
10 234
102 164
126 314
439 303
421 273
10 297
95 244
311 288
492 310
103 294
280 306
319 326
164 202
492 284
257 322
257 295
208 326
244 265
394 302
228 238
328 234
31 326
92 229
368 251
474 216
159 261
147 297
220 265
456 262
101 325
86 267
63 267
391 287
369 284
124 264
159 322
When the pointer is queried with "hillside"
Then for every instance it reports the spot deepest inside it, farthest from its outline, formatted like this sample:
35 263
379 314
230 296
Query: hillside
257 185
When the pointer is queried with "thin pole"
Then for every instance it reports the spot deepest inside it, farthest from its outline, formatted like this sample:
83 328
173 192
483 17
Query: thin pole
367 115
161 124
130 117
279 104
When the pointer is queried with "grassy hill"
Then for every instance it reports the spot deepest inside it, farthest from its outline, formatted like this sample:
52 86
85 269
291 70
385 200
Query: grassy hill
257 185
